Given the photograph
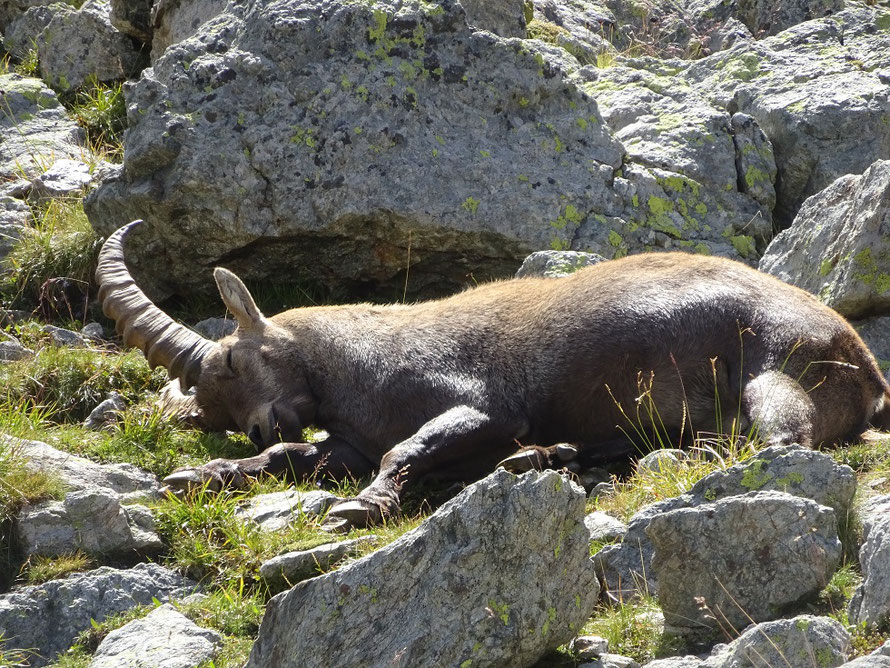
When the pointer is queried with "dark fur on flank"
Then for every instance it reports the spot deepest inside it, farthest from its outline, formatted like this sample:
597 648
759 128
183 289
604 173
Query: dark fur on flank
451 386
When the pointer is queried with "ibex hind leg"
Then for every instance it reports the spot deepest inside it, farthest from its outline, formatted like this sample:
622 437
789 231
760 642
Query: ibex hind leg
778 409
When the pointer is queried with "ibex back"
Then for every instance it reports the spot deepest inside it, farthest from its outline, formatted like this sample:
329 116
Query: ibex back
451 387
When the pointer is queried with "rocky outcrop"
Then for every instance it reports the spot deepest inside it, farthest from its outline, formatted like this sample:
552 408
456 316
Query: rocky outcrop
428 148
498 575
556 264
626 568
870 604
720 566
839 244
46 618
165 637
285 570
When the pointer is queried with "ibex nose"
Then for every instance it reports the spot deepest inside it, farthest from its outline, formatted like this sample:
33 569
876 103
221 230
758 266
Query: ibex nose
256 436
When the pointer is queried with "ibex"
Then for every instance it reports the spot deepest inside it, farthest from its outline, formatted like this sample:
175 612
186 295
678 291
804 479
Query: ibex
451 387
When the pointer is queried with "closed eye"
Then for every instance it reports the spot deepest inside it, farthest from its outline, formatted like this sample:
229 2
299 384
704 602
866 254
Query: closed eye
229 361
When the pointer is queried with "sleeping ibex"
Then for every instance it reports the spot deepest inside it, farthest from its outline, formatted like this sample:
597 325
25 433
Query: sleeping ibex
451 387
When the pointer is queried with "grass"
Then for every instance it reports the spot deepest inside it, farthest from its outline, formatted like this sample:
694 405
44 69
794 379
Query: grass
43 569
101 111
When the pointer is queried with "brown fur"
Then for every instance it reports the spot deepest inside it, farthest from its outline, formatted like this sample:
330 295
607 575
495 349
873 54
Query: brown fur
453 385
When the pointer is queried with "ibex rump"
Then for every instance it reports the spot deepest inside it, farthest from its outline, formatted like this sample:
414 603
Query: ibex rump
452 386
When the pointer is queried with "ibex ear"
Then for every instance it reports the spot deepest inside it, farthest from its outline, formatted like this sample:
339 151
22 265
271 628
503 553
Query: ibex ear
237 299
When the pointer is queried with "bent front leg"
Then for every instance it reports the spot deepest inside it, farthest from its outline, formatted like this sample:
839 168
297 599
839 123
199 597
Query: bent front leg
331 459
457 439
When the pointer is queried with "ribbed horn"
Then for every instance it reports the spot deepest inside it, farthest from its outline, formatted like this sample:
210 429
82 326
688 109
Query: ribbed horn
143 325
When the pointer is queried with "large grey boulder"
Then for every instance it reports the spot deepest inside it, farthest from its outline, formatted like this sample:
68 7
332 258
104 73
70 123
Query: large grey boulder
165 638
332 143
20 36
816 90
626 568
502 17
497 576
81 44
35 128
46 618
91 520
870 604
839 244
721 565
173 21
128 482
689 182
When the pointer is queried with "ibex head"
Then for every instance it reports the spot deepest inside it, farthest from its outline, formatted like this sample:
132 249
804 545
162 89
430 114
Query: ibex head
251 380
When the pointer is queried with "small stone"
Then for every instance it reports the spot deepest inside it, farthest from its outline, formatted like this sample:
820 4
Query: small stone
662 460
215 328
94 331
106 411
275 511
285 570
64 337
585 648
603 527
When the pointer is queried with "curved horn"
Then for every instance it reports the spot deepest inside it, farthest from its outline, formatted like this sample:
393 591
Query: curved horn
163 341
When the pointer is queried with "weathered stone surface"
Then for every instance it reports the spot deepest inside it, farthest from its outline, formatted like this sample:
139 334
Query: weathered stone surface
682 186
470 149
585 648
816 91
128 481
497 575
175 20
11 351
215 328
869 661
106 411
626 568
604 527
165 638
662 460
15 216
276 510
92 520
839 245
746 557
871 601
133 18
611 661
60 336
78 44
66 178
35 127
556 264
93 331
48 617
502 17
676 662
285 570
20 36
795 642
876 334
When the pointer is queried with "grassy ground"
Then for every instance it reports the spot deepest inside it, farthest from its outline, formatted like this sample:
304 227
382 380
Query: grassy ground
47 396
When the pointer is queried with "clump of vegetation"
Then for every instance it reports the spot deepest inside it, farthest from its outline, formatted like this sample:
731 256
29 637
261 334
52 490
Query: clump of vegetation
101 111
40 569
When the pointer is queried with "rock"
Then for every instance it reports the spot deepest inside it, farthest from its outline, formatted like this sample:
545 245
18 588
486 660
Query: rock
883 650
601 489
15 217
815 91
215 328
12 351
285 570
870 604
128 481
165 637
802 641
93 331
35 127
719 566
498 575
174 21
876 334
665 459
611 661
503 17
428 148
65 178
626 568
80 44
64 337
556 264
20 37
604 528
869 661
91 520
676 662
838 247
133 18
276 510
46 618
681 184
106 411
585 648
